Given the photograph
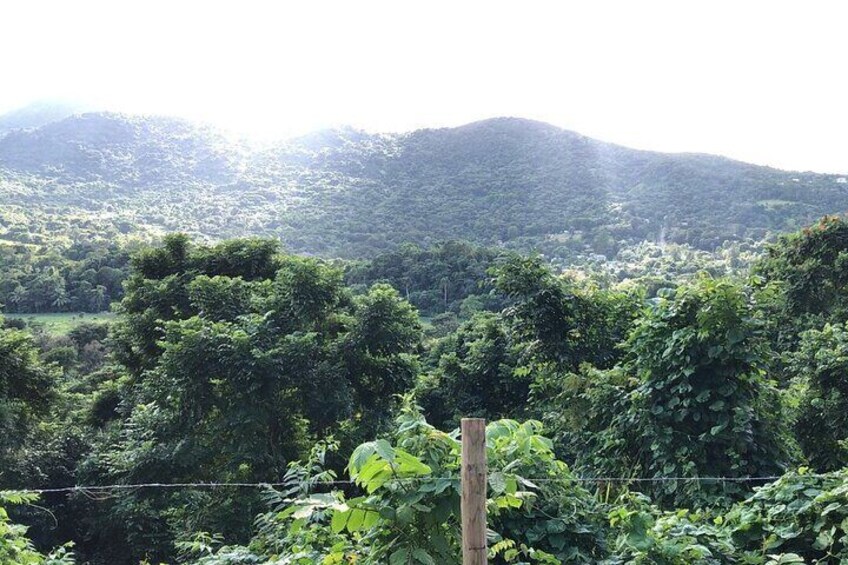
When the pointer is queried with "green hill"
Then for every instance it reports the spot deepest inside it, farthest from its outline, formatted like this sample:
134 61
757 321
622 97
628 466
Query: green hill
344 193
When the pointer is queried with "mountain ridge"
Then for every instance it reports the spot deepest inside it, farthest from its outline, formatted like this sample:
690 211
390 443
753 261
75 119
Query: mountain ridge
343 192
39 113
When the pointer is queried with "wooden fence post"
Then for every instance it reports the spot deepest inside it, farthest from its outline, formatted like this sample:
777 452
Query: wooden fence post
474 477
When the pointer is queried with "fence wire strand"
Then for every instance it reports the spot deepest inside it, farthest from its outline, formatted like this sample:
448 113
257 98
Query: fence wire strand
92 490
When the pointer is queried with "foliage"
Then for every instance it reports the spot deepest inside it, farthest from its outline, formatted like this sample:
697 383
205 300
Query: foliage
800 513
345 193
81 277
813 266
447 277
26 389
486 367
15 547
803 278
690 399
233 361
558 321
58 324
158 289
407 512
799 518
652 266
703 405
238 355
644 534
821 365
476 375
585 413
408 509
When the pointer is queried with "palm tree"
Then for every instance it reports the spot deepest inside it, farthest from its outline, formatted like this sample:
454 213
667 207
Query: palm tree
62 299
18 297
98 298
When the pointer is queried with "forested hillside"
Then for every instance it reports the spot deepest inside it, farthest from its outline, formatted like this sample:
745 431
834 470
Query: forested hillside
342 193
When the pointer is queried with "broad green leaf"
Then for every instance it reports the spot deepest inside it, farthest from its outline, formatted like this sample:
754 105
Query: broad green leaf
354 522
339 520
422 556
399 557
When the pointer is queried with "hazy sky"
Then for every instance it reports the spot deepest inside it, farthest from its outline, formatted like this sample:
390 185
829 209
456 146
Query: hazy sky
760 81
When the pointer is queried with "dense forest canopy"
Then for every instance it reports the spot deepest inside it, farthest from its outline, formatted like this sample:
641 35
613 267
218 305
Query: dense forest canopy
83 277
240 362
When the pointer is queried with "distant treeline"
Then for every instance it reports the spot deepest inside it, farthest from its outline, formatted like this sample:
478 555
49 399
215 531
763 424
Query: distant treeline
79 278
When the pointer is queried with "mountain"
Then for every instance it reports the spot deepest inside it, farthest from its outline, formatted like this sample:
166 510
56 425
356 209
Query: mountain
40 113
346 193
127 151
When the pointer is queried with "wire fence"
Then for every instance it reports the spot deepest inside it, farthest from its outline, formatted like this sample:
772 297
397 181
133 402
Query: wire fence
213 485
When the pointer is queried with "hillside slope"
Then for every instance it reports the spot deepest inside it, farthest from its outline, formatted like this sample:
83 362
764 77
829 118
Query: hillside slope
40 113
505 181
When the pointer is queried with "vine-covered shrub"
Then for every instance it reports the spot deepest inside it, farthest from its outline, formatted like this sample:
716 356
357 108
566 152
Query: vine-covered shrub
586 412
704 406
803 278
800 518
821 364
801 513
812 264
15 547
690 399
408 507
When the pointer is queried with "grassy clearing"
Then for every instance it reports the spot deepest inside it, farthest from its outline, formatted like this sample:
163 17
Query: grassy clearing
64 322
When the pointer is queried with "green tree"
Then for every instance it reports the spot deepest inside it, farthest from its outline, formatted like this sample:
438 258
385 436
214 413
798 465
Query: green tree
703 405
27 387
475 375
812 264
559 322
233 374
821 365
804 277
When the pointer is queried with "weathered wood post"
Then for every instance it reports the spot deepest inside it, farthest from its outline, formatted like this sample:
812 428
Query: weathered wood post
474 473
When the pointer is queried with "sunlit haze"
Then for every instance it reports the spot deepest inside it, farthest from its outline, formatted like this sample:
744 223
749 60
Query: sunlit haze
763 82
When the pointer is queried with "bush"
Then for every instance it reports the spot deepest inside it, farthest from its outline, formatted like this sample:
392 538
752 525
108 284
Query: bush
821 364
408 509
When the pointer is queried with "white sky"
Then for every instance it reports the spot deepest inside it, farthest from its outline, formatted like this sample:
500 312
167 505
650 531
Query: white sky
764 82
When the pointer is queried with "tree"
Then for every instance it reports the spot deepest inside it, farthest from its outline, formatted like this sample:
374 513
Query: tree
27 387
476 375
690 398
703 405
812 264
821 367
233 373
559 322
